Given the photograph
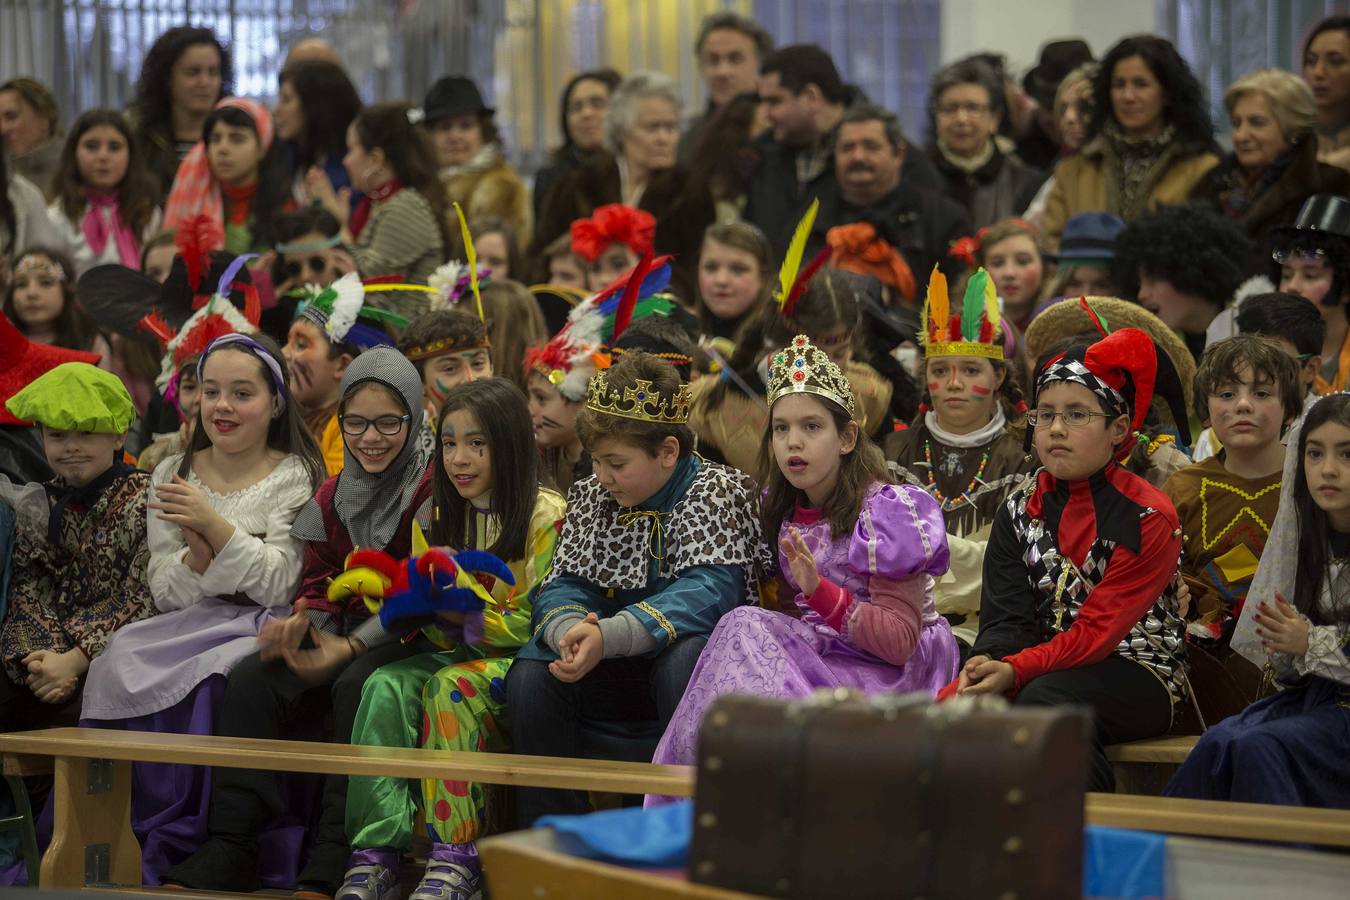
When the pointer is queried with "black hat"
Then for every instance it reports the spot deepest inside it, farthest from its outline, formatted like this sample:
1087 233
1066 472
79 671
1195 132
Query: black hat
454 95
1329 213
1058 59
117 297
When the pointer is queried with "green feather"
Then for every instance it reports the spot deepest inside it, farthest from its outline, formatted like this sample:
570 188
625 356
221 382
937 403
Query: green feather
655 305
383 315
972 304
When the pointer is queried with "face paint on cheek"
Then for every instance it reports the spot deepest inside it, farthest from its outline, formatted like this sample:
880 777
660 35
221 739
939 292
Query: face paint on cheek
933 386
440 387
981 390
546 422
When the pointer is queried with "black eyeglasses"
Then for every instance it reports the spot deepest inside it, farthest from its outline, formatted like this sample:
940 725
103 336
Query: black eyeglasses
317 265
356 426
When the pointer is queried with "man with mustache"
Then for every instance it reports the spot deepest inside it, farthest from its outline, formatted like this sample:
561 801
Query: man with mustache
869 159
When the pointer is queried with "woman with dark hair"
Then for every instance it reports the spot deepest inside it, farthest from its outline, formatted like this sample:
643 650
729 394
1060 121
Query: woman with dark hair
1149 141
186 71
105 200
581 121
980 171
402 224
234 177
316 101
1326 68
28 120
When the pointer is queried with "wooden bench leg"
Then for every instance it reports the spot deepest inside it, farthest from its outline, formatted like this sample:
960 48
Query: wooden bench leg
92 840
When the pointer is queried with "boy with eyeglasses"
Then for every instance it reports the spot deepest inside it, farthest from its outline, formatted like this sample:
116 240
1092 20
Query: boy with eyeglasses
1078 604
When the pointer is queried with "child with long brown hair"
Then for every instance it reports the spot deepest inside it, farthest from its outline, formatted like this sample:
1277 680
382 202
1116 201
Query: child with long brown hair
859 555
402 224
734 272
42 302
105 205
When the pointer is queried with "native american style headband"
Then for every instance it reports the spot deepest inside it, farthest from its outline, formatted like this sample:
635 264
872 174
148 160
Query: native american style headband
338 309
975 329
216 317
580 349
803 368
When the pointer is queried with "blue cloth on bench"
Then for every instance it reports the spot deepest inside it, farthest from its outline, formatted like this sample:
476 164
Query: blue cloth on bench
1117 863
633 836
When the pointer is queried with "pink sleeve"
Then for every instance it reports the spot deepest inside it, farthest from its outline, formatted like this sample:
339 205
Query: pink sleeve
832 602
888 627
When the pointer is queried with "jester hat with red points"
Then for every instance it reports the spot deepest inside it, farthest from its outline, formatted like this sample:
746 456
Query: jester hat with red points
1124 369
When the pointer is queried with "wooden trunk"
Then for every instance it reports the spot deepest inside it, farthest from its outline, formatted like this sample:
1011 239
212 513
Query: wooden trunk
837 796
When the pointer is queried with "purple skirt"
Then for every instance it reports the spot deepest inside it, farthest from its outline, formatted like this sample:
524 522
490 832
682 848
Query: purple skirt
768 654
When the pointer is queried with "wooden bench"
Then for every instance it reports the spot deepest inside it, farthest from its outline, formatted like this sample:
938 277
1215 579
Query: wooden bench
92 841
1145 767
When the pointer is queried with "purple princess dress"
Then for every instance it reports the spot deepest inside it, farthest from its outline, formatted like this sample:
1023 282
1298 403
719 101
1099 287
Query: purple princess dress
871 626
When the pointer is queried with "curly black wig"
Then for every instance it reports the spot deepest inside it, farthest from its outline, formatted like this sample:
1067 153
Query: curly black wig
153 104
1199 251
1184 102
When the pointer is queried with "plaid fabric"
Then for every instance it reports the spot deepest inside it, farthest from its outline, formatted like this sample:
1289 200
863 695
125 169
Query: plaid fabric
195 190
1156 641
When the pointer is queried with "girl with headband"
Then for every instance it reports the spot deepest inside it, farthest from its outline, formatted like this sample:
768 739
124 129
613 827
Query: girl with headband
222 562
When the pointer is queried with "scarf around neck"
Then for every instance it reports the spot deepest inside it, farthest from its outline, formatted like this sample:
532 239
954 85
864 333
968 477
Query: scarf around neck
370 506
85 497
977 438
103 222
1139 163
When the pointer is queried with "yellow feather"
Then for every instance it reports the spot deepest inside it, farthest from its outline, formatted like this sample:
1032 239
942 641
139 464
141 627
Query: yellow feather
471 256
938 304
991 308
419 540
792 260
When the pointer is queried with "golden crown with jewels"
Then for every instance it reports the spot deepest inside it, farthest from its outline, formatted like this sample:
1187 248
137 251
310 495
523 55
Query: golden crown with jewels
803 368
642 401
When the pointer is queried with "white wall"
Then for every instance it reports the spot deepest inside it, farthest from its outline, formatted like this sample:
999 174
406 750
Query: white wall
1017 28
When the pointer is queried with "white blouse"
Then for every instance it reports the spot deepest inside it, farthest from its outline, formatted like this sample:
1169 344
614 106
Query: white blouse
1327 644
261 560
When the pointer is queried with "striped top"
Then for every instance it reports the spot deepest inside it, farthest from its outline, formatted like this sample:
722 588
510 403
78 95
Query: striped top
401 238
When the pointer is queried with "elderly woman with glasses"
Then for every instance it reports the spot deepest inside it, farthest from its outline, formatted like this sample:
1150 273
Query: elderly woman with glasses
639 170
965 108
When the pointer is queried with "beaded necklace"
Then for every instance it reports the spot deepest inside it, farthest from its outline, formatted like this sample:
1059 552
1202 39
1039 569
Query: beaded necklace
955 502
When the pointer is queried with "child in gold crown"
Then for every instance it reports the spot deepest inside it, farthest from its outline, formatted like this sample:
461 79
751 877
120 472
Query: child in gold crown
859 554
656 546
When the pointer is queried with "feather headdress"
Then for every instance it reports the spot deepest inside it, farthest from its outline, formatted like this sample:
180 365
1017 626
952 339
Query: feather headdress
575 353
339 308
975 329
217 317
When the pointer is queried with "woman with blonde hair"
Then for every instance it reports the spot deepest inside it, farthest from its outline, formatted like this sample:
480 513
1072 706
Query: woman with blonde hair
1273 166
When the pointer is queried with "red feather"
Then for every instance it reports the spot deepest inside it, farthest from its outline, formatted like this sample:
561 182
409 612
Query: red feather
1093 315
196 238
624 313
954 328
153 323
378 560
804 280
200 337
622 281
384 279
986 330
252 302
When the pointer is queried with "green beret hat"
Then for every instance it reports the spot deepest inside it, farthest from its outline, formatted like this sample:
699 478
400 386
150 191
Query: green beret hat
75 396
